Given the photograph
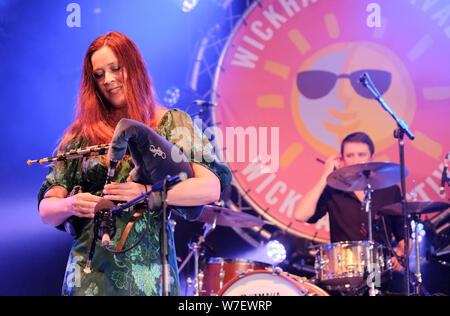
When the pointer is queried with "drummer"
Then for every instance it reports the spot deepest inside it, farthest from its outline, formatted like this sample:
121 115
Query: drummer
348 221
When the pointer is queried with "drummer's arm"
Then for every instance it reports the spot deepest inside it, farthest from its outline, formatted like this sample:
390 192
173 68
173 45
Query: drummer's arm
400 251
307 206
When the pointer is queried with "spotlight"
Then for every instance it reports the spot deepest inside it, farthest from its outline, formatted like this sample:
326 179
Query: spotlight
189 5
420 230
276 251
172 96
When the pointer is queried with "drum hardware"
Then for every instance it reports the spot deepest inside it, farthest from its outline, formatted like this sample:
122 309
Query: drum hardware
200 281
226 217
342 266
275 270
195 248
417 276
303 268
439 229
212 216
368 177
220 271
239 273
367 202
221 275
356 177
416 209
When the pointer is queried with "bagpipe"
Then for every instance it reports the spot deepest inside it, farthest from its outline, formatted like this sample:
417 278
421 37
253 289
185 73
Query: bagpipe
157 162
90 151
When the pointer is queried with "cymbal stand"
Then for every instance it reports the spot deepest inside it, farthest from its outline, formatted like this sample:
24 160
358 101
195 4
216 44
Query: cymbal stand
195 248
367 204
418 276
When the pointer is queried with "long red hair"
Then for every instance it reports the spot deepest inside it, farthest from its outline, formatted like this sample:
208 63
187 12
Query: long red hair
94 120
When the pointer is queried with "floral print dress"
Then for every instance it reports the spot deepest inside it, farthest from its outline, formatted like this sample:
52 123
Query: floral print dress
138 271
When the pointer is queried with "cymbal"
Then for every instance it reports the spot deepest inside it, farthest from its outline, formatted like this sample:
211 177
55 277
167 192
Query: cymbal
415 207
356 177
227 217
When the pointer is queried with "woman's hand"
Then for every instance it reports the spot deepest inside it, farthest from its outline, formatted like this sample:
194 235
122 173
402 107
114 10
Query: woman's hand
83 204
123 191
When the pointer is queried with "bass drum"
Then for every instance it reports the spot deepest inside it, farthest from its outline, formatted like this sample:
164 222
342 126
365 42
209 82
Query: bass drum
219 271
269 283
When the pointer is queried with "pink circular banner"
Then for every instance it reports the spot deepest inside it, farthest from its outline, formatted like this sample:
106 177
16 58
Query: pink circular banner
288 91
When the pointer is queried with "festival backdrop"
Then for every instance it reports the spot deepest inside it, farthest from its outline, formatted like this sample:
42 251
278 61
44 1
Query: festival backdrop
287 74
289 78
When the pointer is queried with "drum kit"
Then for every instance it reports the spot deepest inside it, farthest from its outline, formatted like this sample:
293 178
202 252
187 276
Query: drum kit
346 268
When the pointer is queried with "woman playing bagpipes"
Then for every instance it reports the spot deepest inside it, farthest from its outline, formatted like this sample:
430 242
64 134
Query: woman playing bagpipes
115 85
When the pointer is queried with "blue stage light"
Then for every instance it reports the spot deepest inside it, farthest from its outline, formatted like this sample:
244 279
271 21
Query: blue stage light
189 5
276 251
172 96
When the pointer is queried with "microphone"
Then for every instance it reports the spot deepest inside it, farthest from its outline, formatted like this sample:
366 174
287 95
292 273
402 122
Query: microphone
444 175
103 215
365 80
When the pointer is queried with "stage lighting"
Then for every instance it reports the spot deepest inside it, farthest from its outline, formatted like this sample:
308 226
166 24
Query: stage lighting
276 251
189 5
420 229
172 96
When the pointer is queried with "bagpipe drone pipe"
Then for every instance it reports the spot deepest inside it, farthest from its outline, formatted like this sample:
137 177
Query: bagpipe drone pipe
155 159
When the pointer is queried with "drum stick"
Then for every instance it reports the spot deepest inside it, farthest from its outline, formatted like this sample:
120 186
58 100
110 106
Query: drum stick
320 160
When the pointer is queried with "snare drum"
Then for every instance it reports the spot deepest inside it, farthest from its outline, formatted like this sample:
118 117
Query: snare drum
346 263
268 283
219 271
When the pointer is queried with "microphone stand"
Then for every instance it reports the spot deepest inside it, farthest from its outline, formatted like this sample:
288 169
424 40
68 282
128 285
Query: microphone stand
195 248
399 133
164 241
163 234
367 203
153 204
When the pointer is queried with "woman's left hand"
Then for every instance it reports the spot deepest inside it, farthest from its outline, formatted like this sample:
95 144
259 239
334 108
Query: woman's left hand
123 191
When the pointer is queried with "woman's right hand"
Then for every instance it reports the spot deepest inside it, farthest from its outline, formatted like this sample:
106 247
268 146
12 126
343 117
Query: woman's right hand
83 204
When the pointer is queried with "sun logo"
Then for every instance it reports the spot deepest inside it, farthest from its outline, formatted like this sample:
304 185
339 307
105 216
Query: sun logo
328 101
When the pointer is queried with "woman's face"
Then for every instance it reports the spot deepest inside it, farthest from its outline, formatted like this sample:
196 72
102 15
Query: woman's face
109 76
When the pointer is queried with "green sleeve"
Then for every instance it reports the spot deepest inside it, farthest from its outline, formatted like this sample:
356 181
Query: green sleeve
178 128
61 173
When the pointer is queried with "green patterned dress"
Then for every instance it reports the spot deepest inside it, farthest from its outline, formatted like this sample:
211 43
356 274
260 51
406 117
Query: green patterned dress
138 271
